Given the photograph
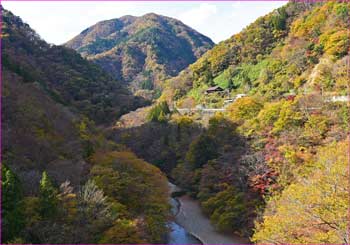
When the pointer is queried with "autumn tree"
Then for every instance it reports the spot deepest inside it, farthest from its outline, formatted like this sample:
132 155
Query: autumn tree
124 231
314 209
244 108
86 137
279 19
92 202
201 150
289 117
226 209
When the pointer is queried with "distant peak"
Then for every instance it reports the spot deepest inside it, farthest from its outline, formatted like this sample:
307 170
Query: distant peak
153 16
127 17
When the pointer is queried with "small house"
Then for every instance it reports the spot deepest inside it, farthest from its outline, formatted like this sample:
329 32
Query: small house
214 90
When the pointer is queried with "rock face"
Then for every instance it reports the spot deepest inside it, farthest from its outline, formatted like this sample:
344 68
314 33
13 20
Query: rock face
142 51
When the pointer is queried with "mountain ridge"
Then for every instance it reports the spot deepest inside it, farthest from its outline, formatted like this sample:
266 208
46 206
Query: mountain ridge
48 91
143 51
63 73
55 156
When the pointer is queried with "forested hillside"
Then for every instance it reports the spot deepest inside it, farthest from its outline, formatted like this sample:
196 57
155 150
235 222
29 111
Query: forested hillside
292 49
261 167
62 181
142 51
62 73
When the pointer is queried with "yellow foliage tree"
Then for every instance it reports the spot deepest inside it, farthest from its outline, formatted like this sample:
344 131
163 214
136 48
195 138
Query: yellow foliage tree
314 209
243 109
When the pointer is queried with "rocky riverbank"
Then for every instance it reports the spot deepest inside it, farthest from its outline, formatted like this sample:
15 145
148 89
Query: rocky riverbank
195 222
178 234
188 215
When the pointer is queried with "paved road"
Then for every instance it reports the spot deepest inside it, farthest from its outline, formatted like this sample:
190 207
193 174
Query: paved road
194 221
209 111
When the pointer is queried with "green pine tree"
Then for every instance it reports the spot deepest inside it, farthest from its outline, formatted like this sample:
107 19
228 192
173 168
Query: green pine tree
13 219
48 197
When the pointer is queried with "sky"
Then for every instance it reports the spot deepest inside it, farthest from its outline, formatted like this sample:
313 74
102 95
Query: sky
57 22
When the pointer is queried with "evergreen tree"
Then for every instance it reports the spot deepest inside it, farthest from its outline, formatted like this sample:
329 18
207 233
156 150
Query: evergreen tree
159 112
279 19
48 197
13 219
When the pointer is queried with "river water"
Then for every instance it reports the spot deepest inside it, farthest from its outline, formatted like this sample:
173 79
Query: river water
178 234
190 223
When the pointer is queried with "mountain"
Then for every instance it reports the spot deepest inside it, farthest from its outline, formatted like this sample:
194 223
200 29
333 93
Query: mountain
277 54
39 129
61 72
38 134
285 80
59 173
142 51
49 93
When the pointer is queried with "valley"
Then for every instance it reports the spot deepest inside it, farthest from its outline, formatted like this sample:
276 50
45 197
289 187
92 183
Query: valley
141 130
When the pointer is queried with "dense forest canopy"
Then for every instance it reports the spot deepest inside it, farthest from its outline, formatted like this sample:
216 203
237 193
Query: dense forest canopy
63 74
298 47
62 181
252 167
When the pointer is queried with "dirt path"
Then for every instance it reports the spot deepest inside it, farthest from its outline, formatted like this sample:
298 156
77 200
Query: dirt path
194 221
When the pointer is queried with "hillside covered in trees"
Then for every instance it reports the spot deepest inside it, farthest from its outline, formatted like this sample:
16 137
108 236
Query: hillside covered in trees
62 181
291 50
270 165
62 73
142 51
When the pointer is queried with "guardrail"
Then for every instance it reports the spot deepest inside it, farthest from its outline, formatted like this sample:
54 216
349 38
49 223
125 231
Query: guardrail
200 110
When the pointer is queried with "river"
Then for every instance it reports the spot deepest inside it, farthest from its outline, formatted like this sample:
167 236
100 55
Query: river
191 226
178 234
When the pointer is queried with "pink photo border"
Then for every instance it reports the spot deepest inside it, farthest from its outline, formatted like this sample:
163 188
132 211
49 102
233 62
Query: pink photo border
110 1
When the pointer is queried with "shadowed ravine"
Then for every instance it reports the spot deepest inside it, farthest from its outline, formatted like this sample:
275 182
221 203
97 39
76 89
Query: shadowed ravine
190 223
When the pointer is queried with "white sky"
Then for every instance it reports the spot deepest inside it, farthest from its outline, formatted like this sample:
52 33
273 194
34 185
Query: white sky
58 22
